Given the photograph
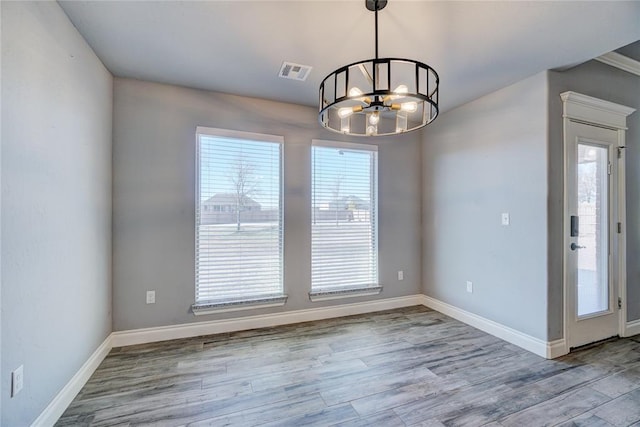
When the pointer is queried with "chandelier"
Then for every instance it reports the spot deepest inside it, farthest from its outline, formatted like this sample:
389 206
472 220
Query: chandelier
381 96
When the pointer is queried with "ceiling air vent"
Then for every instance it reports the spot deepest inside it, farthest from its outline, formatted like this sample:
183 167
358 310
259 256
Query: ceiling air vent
292 71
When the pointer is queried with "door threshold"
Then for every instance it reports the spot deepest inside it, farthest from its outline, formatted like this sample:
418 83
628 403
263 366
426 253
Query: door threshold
594 344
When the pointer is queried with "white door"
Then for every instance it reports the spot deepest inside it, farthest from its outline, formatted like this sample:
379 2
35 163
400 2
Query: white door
591 234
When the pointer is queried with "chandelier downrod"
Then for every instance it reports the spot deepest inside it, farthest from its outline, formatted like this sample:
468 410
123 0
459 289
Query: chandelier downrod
376 28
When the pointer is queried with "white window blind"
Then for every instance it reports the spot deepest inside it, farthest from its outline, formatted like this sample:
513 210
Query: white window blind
344 252
238 216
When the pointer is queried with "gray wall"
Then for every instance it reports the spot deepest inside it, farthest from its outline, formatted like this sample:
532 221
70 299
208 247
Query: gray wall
154 197
56 204
0 214
484 158
601 81
504 152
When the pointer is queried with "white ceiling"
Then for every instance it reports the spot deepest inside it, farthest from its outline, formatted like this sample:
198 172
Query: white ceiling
239 46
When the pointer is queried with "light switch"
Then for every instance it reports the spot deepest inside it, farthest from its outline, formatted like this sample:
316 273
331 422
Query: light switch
151 297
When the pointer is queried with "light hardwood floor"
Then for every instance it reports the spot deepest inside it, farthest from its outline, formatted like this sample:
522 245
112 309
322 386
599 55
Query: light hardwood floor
404 367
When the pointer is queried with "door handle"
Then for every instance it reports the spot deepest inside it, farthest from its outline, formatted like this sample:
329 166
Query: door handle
574 247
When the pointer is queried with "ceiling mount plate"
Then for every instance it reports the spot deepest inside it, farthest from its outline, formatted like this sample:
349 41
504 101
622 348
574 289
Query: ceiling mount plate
372 5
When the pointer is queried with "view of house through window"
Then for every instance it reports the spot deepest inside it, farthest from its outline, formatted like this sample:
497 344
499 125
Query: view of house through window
344 252
238 216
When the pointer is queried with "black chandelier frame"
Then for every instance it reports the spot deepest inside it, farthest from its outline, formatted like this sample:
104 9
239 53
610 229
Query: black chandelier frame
422 90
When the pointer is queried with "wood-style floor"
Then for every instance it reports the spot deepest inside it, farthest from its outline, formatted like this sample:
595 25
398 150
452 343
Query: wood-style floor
403 367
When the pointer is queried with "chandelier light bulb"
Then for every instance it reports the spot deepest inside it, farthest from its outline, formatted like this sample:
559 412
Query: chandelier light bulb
401 89
409 107
374 118
372 130
348 111
345 112
355 92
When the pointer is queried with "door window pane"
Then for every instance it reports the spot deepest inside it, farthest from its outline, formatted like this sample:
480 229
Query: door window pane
593 195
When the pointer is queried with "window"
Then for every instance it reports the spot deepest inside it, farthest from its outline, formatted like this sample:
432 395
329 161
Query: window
238 220
344 250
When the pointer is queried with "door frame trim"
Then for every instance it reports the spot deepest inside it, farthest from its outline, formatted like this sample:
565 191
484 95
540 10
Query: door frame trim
597 112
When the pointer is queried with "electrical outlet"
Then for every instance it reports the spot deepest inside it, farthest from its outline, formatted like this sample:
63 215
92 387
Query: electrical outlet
469 287
151 297
506 220
400 275
17 380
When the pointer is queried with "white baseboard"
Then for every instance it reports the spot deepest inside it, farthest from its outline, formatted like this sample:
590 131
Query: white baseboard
163 333
632 328
548 350
556 348
63 399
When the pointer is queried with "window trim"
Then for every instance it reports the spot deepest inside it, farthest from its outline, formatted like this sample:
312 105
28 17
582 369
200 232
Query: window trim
348 291
342 144
255 301
238 305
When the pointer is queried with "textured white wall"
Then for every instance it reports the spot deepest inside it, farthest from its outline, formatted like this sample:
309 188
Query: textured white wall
481 159
154 199
56 204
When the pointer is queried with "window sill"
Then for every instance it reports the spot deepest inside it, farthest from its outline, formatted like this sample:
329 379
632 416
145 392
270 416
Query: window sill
344 293
200 309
